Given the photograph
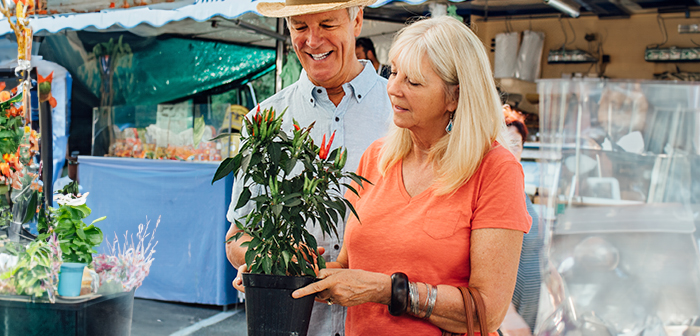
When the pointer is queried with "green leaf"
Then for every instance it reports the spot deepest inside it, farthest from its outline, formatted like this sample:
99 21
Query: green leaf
276 209
81 234
249 255
223 135
275 149
352 208
292 202
286 257
267 264
198 130
84 210
243 198
245 162
226 167
31 208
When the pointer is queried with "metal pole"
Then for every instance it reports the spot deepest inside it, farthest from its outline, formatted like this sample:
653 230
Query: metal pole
280 56
46 128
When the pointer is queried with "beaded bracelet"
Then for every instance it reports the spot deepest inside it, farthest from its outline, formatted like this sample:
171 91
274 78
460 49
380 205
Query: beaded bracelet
399 294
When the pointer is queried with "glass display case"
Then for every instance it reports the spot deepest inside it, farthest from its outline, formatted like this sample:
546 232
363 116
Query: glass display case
182 131
620 181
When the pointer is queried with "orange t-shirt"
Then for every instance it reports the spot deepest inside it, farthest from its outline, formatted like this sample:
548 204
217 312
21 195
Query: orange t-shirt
425 236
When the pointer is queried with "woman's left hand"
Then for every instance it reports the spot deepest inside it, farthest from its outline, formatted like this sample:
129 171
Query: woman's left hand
349 287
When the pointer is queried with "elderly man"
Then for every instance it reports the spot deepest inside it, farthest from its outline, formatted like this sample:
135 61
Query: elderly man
336 91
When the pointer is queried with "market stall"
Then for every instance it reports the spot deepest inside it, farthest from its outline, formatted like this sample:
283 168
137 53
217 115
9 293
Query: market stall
191 265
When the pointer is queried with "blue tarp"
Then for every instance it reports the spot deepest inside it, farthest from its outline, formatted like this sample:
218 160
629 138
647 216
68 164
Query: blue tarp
190 261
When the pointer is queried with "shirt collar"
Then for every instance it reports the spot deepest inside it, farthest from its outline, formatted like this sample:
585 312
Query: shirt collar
360 85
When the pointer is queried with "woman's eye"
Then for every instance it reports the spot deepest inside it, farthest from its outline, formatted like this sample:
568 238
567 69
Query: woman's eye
393 73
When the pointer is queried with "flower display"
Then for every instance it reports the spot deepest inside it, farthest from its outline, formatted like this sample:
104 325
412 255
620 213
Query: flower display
127 264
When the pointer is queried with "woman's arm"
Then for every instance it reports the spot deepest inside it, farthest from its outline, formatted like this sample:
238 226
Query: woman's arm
494 256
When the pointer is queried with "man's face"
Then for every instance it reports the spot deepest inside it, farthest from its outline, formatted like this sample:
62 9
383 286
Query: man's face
325 45
360 53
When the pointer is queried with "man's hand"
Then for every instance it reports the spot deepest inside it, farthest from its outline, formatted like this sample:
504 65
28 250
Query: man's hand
238 281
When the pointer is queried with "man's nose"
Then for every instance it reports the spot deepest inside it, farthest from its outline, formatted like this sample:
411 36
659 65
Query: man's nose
315 38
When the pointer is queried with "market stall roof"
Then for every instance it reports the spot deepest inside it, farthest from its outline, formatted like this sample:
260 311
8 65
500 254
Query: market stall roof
237 21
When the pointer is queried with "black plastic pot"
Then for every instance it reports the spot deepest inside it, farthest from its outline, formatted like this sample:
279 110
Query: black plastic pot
270 308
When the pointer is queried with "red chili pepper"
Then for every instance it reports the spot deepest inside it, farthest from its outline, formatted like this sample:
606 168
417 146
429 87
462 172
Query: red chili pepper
296 127
325 149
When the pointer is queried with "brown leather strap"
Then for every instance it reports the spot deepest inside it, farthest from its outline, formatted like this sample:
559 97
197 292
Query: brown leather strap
470 294
467 298
480 310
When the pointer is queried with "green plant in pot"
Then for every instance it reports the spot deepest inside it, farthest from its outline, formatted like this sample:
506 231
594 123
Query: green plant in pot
76 239
296 184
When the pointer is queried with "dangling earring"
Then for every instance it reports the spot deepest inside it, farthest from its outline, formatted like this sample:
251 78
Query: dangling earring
448 129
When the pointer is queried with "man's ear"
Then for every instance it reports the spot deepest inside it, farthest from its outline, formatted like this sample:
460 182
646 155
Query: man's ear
357 23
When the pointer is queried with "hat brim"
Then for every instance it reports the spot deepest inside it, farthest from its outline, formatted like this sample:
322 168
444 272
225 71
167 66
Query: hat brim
279 9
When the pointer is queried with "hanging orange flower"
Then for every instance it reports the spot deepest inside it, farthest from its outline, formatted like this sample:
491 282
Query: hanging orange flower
45 89
5 169
5 96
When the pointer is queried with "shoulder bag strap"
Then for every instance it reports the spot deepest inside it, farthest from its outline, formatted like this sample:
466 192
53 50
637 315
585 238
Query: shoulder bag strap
480 310
468 295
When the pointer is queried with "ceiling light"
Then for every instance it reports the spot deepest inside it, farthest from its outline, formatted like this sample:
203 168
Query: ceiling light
564 7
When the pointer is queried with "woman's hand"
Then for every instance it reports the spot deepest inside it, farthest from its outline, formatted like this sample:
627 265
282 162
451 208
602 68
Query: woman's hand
238 281
349 287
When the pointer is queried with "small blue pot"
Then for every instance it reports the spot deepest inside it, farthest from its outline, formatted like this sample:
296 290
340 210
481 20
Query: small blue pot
70 279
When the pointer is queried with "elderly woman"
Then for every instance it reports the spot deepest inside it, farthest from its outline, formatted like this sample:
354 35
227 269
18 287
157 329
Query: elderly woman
446 207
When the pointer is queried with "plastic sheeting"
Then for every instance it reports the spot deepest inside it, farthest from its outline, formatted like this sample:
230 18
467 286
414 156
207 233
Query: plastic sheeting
530 56
506 57
190 261
158 69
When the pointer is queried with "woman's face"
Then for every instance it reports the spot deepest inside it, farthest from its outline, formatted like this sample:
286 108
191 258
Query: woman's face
516 141
419 105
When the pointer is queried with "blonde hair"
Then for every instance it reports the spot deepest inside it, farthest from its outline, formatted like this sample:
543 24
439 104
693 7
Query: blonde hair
460 60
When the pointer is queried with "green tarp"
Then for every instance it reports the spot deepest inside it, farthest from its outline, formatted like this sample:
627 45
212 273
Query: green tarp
153 70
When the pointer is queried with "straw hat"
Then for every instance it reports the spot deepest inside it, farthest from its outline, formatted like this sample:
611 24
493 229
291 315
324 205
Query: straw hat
301 7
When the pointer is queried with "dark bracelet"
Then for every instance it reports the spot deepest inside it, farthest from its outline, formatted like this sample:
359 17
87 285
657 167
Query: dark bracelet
399 294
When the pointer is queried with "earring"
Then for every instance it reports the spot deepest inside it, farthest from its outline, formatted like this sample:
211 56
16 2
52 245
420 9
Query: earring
448 129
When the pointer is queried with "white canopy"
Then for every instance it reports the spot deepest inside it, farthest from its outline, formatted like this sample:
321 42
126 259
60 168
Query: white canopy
150 20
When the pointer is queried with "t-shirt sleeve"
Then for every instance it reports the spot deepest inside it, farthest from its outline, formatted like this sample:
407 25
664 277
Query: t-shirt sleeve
500 203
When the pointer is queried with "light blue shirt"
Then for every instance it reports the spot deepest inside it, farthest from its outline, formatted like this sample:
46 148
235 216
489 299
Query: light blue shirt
363 116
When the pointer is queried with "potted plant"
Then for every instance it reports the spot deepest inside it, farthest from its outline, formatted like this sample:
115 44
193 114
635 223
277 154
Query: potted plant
77 239
299 184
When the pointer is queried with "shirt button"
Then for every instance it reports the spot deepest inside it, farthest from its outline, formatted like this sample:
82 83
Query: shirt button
312 100
359 96
319 90
336 246
337 119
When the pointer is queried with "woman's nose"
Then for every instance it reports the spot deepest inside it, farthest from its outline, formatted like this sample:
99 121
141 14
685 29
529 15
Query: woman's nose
391 86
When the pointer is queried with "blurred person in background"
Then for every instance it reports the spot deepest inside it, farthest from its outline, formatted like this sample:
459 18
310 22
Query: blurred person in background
364 49
522 314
